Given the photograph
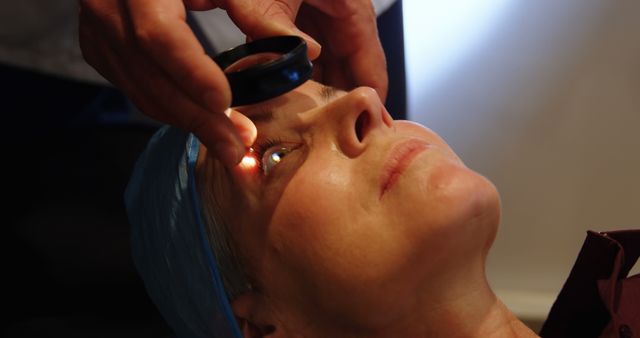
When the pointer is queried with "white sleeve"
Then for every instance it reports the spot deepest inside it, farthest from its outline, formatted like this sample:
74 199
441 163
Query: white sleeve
43 35
219 29
382 5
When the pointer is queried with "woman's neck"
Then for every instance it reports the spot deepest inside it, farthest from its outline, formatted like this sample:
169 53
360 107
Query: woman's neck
452 303
465 311
464 308
474 318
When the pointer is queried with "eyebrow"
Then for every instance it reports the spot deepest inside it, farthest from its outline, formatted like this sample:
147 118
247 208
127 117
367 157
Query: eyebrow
266 114
327 93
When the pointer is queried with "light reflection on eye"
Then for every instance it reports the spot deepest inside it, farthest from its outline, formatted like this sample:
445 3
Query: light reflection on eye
272 157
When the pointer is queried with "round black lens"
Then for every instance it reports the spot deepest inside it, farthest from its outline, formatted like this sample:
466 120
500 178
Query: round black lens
266 68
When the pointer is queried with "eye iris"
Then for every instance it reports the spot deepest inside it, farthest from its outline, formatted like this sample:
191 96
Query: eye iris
273 158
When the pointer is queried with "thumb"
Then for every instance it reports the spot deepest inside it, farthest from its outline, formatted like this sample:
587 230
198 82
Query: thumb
227 137
267 18
247 130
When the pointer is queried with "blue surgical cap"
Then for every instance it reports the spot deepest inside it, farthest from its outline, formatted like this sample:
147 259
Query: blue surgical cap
169 244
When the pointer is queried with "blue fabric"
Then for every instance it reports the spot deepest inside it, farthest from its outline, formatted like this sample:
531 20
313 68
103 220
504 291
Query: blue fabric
169 245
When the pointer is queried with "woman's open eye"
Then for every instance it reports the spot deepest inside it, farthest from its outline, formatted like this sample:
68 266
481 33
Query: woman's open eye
272 157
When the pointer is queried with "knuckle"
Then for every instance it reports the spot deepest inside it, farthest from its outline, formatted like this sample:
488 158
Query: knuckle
287 8
99 20
150 34
96 12
144 35
89 6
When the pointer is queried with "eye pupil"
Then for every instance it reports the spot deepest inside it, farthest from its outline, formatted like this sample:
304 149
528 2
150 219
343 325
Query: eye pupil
275 157
272 158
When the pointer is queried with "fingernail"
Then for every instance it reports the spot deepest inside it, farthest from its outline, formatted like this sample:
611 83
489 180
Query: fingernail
313 45
249 134
229 153
248 137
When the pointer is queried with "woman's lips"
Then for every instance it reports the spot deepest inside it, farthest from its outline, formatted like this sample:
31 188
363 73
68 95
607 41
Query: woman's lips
400 156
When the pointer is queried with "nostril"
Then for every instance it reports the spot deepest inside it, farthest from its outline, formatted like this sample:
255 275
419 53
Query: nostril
362 123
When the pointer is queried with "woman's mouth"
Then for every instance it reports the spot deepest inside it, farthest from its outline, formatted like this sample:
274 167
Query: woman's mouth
399 158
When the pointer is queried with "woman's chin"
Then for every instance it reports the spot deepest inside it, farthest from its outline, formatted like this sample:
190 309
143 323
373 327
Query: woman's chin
451 208
464 195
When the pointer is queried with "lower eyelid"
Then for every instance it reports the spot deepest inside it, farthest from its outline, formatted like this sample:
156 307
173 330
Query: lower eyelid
294 151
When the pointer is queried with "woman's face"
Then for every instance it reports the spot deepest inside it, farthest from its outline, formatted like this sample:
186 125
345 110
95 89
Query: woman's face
353 215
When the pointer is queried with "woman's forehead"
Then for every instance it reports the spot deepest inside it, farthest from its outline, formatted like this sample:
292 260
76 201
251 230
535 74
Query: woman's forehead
308 96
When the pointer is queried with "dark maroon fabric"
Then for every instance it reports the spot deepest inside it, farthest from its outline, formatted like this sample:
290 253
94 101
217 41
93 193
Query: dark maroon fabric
598 292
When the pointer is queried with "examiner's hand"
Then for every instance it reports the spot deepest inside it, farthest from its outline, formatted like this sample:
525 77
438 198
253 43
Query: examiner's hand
351 55
351 51
146 48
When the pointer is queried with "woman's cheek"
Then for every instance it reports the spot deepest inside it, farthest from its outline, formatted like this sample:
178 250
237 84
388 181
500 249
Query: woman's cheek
311 205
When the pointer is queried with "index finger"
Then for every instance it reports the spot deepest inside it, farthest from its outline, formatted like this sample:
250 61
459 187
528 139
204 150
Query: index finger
369 68
162 33
360 44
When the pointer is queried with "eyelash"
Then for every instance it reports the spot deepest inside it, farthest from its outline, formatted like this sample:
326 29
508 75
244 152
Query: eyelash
261 148
265 145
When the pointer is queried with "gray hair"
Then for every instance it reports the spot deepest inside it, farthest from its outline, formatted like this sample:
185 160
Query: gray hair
215 195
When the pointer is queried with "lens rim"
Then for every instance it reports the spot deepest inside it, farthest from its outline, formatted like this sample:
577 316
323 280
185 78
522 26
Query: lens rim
264 81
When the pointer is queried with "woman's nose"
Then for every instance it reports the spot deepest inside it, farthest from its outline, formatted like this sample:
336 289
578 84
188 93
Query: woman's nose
356 118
